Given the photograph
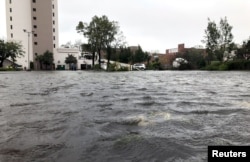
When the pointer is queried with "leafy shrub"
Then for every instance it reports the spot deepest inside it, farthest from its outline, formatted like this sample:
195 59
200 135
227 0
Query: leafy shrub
113 67
117 67
8 69
239 65
223 67
96 67
123 68
154 66
231 65
212 67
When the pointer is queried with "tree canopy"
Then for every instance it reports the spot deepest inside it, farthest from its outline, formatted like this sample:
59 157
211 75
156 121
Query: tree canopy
10 50
244 51
139 55
46 59
100 32
212 36
70 59
218 39
226 36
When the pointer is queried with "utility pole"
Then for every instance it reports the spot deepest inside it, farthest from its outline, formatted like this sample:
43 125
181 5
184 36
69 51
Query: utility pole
29 33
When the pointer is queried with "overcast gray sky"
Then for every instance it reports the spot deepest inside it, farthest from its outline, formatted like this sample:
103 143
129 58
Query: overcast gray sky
156 25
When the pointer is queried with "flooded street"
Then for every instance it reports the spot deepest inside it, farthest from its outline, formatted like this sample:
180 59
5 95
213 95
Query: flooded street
141 116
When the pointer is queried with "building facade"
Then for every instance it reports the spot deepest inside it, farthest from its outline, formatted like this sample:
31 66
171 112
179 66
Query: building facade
84 59
33 23
181 48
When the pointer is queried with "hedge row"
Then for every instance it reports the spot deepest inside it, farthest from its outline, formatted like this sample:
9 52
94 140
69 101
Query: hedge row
231 65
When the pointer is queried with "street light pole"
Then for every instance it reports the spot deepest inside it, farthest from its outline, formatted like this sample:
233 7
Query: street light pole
28 32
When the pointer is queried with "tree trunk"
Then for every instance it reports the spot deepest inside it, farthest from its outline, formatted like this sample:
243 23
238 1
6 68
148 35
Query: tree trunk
99 53
93 60
1 64
41 66
109 50
13 64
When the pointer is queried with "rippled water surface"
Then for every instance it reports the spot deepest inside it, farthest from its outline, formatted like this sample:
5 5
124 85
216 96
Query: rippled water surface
146 116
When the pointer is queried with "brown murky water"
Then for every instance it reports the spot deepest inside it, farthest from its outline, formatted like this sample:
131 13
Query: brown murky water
146 116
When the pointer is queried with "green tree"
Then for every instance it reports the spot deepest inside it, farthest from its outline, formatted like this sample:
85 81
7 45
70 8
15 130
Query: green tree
114 54
225 40
100 33
10 50
212 36
114 46
226 36
247 50
140 55
244 51
86 47
91 45
71 60
39 58
125 55
46 59
81 28
195 58
218 39
148 57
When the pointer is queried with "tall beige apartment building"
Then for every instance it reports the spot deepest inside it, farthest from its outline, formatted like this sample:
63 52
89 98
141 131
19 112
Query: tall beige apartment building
34 23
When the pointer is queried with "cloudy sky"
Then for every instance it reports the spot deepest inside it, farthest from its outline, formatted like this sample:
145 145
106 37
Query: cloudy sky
156 25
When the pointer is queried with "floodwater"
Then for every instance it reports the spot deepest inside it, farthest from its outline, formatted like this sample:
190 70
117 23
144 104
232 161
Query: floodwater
141 116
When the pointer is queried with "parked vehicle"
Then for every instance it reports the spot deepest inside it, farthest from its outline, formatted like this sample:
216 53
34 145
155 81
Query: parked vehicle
139 66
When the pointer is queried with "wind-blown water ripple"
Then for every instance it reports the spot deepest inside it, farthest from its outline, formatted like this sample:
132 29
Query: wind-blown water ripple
142 116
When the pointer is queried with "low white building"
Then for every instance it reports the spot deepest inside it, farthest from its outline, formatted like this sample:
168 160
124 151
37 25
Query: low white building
84 60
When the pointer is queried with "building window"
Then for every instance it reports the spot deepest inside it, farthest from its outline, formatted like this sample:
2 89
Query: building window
53 22
11 35
11 27
10 1
10 9
34 18
54 30
34 1
53 14
34 9
54 45
35 43
53 6
35 35
35 26
11 18
54 38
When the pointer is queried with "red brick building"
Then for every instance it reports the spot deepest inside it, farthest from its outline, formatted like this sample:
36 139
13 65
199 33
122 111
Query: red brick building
167 59
180 49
